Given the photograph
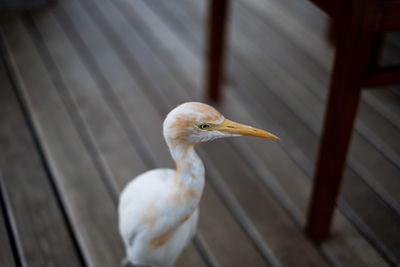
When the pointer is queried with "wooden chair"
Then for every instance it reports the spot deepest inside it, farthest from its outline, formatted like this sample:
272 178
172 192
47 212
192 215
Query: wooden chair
359 26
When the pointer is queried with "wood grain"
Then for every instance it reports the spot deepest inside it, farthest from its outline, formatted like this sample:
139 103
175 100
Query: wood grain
158 28
87 201
163 79
6 253
119 160
233 106
6 250
37 218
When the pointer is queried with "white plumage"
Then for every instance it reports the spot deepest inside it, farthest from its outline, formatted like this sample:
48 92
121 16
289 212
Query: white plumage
158 210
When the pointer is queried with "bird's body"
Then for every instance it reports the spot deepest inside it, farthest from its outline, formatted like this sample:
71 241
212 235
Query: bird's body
149 240
158 210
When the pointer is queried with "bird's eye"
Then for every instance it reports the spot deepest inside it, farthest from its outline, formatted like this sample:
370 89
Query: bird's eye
204 126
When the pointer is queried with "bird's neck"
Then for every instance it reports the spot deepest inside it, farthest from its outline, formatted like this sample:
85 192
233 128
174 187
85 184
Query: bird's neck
189 167
189 180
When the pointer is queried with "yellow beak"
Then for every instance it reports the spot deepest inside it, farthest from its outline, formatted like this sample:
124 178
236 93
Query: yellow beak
232 127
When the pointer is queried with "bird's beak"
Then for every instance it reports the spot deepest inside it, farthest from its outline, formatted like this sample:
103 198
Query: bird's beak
234 128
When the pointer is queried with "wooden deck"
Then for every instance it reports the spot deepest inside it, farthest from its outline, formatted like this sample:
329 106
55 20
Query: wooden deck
85 85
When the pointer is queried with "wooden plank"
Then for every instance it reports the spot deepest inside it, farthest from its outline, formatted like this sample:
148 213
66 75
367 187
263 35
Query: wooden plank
126 90
295 92
87 99
220 239
383 146
153 119
226 243
253 197
306 13
148 18
238 212
384 138
358 162
363 191
257 94
389 55
161 28
374 125
269 101
290 26
341 244
378 171
315 21
288 19
119 156
108 65
171 50
6 251
37 218
292 187
87 201
165 34
305 73
385 102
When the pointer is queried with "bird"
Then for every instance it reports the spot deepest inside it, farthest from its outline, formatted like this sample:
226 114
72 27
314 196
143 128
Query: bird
158 210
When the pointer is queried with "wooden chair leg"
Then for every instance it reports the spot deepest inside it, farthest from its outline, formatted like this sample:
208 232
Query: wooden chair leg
351 60
216 43
376 51
338 125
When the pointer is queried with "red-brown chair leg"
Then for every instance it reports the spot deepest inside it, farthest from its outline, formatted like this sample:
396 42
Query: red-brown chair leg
352 52
340 114
216 43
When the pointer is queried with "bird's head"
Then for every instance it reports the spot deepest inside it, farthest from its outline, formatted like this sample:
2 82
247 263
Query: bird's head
194 122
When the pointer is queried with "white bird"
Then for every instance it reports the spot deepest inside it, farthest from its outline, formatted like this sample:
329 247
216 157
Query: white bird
158 210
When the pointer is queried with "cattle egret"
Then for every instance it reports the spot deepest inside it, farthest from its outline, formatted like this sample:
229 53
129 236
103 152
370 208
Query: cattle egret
158 210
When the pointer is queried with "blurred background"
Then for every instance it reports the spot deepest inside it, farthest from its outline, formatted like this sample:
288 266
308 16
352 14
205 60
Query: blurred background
85 86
